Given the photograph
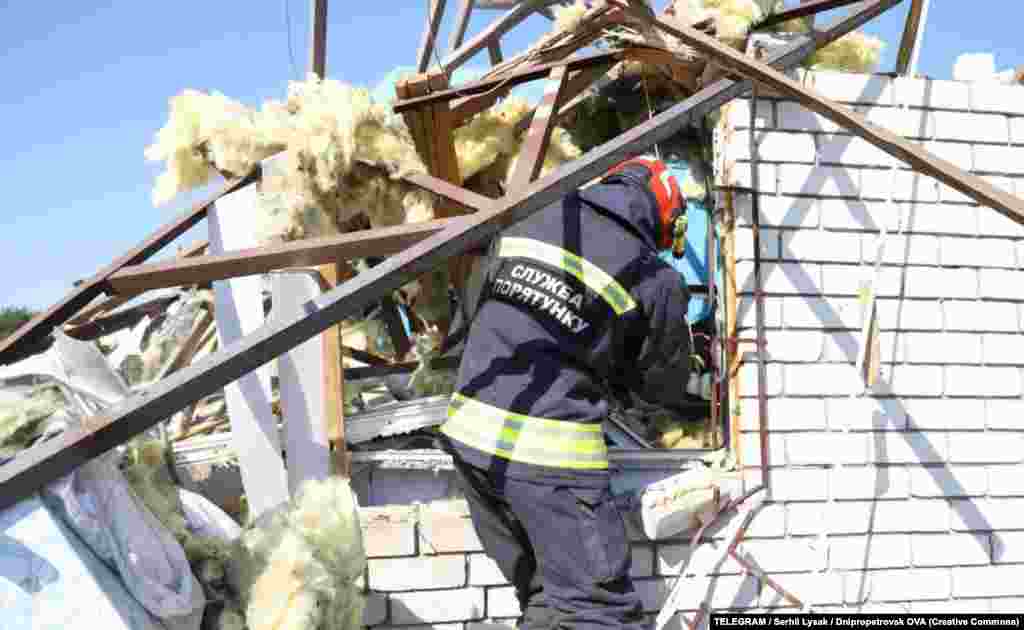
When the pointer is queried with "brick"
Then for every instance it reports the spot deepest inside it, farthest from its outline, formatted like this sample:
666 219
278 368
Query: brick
749 379
437 606
447 531
698 561
1003 349
851 214
846 150
1004 414
909 380
950 607
948 481
987 514
923 218
502 602
821 380
642 561
986 448
931 93
900 584
1008 547
791 346
483 571
853 88
744 240
815 245
785 414
941 283
739 114
909 123
1005 604
820 181
881 551
909 314
842 347
982 381
990 158
917 249
1002 284
790 212
939 348
979 316
978 252
793 116
746 314
870 482
866 414
780 277
770 522
971 127
750 449
797 485
992 223
903 186
389 531
740 176
848 279
947 550
997 581
813 589
815 312
774 146
1004 480
1017 130
784 556
912 447
945 414
826 448
959 154
407 574
990 96
375 610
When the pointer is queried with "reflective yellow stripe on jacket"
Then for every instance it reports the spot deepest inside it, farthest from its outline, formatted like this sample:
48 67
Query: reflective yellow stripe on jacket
595 278
524 439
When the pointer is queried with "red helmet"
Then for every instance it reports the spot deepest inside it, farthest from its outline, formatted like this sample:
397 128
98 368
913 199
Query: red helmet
671 203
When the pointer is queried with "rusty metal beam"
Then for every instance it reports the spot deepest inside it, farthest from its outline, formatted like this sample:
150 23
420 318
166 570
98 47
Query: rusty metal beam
917 157
807 8
430 34
531 156
20 344
911 33
258 260
494 31
461 23
494 52
60 455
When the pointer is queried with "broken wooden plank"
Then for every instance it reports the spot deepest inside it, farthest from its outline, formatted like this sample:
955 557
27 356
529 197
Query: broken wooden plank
535 146
63 453
119 321
909 152
15 346
245 262
430 34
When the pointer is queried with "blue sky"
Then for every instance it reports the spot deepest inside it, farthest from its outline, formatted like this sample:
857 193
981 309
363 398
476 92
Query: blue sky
86 87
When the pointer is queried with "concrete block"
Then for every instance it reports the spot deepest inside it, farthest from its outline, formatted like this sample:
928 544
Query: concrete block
866 414
842 347
917 249
750 449
813 588
870 482
997 581
447 529
785 556
846 150
944 481
932 94
941 219
909 314
912 447
1007 547
1004 480
744 244
978 252
1002 284
909 123
998 159
749 380
1017 130
821 380
945 347
815 312
950 607
820 181
790 278
844 87
932 282
847 279
899 516
909 380
793 116
982 381
740 175
1003 349
852 214
959 154
502 602
407 574
819 246
945 413
789 212
1003 604
981 316
986 448
971 127
826 448
989 96
785 414
881 551
483 571
792 346
989 514
389 531
948 550
773 146
1004 414
439 606
746 314
739 113
909 584
992 223
882 184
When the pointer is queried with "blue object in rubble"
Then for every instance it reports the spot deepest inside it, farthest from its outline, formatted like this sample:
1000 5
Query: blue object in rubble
694 265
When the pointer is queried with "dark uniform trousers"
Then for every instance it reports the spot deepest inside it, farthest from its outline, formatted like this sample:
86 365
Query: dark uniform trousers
578 534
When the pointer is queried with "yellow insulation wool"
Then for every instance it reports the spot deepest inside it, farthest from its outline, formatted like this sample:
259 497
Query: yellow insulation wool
301 570
733 18
854 52
23 421
568 17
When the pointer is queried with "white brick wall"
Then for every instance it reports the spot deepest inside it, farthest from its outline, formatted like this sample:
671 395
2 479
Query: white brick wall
918 486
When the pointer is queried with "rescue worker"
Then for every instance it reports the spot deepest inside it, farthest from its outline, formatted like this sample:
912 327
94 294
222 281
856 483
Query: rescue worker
576 304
